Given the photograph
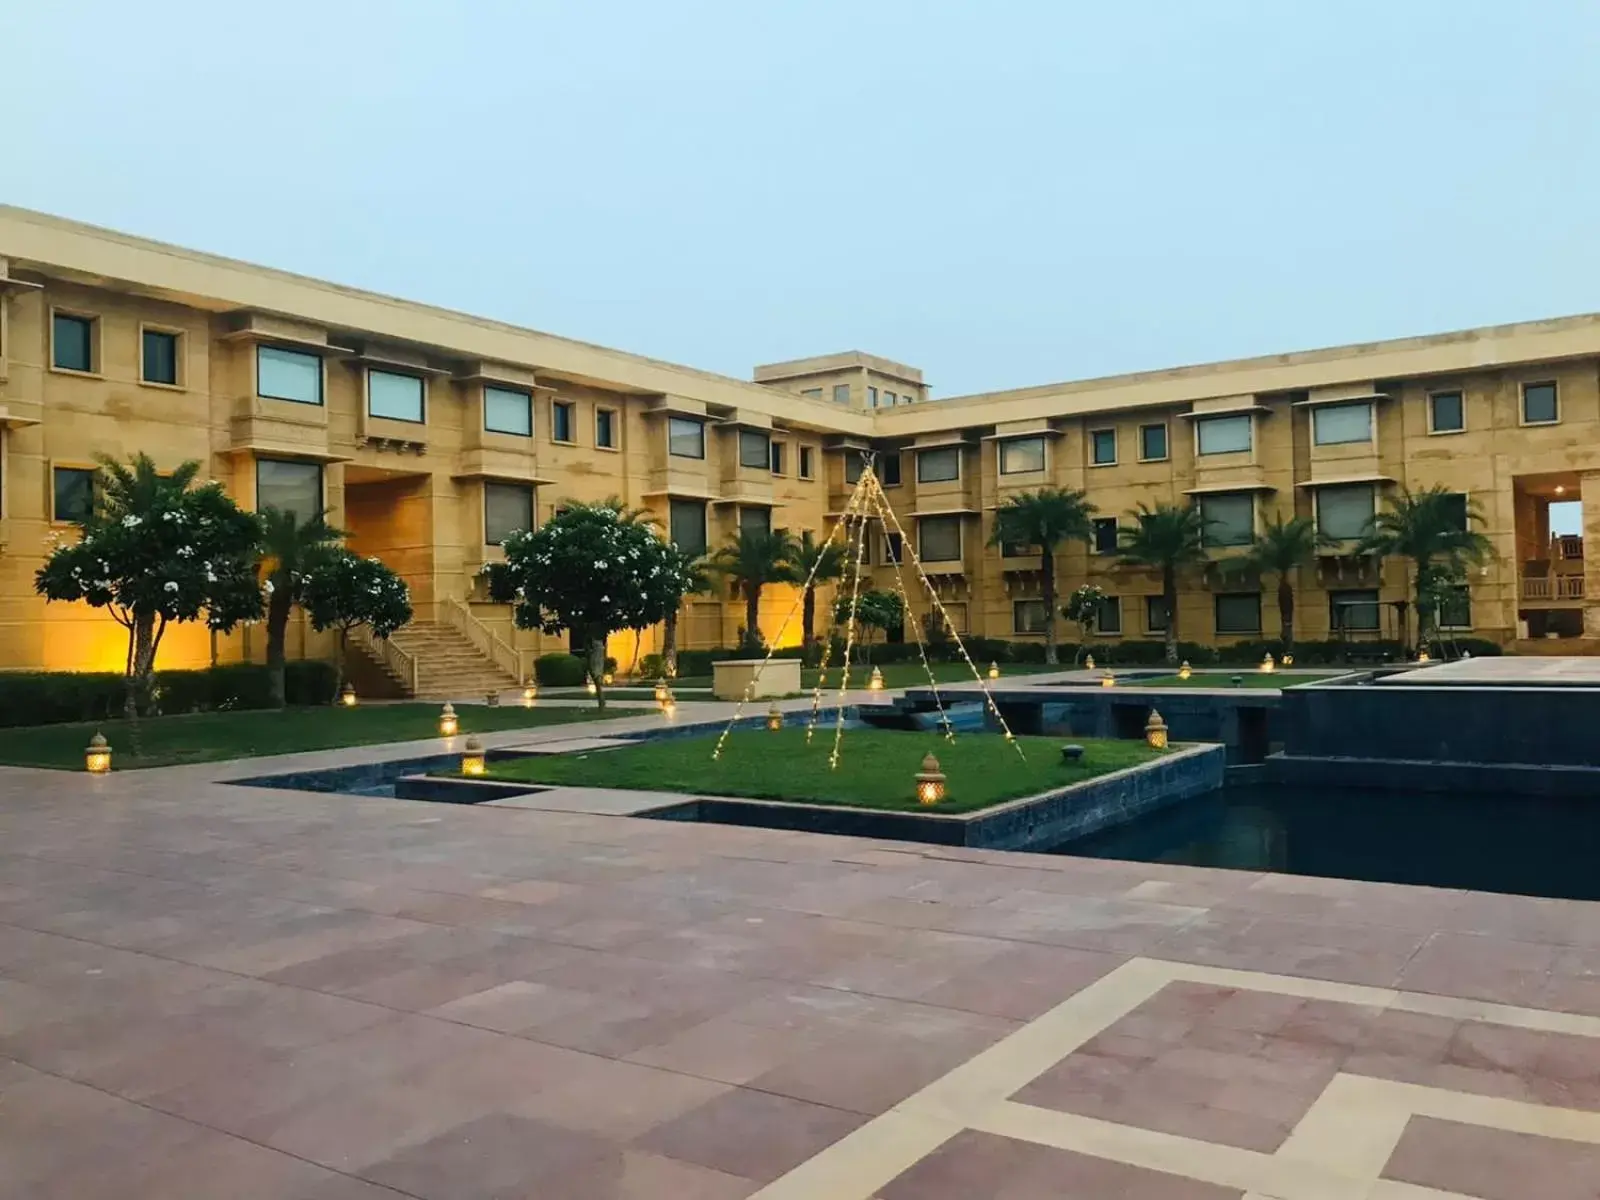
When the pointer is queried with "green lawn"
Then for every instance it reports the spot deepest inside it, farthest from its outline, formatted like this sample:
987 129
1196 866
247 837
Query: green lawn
876 767
211 737
1249 678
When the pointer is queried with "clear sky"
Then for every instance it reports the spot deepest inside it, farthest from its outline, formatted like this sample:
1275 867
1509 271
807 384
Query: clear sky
1003 193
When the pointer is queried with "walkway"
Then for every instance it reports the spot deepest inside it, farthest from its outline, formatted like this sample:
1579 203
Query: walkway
213 991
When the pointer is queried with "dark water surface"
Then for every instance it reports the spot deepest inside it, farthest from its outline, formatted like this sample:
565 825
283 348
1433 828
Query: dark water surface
1531 846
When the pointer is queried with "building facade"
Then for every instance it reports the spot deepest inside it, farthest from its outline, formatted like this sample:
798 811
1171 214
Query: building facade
428 435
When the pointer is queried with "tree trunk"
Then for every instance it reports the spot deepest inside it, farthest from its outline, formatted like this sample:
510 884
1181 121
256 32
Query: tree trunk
752 617
597 666
1047 564
669 645
339 664
1286 613
808 620
278 606
1169 600
144 660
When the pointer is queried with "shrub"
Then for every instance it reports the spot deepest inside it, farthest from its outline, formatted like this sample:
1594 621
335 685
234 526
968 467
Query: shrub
560 670
54 697
697 663
652 666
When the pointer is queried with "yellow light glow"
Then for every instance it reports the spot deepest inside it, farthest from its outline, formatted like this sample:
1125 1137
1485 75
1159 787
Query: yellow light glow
449 724
1422 656
590 686
1155 731
661 693
1108 680
1267 664
1288 659
608 679
472 761
1185 670
994 670
97 757
1088 662
347 695
774 718
930 781
529 695
875 682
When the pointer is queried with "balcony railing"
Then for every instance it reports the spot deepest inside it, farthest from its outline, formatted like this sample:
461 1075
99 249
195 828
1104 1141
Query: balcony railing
1552 587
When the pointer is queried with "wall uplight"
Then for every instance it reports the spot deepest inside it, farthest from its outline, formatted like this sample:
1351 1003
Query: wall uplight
472 760
448 723
930 781
1155 731
97 756
1422 656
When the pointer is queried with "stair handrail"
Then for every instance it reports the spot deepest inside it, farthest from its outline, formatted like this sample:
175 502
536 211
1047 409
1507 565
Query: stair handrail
399 664
484 640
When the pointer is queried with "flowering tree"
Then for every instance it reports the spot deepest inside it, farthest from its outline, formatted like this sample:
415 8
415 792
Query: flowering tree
343 590
592 570
290 548
154 551
1081 608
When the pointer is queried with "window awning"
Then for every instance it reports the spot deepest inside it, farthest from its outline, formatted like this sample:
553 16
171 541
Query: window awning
941 442
1325 401
745 501
1237 411
1243 486
680 493
946 512
1016 435
1317 483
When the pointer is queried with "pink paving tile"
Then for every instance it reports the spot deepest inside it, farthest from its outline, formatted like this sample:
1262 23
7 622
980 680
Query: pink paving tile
728 1050
1493 1164
1481 967
1022 982
753 1135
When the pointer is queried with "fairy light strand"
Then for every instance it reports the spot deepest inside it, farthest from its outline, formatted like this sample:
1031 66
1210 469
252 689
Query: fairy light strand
864 485
827 647
881 502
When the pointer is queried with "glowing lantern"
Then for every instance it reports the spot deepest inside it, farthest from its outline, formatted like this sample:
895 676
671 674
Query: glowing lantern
662 692
1155 731
589 685
1185 670
1287 659
669 706
1267 665
1088 662
530 694
448 724
930 781
1108 680
774 718
492 699
608 679
472 760
875 681
347 695
994 670
1422 656
97 756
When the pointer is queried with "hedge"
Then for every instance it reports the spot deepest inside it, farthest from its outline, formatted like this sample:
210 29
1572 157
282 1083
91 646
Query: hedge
55 697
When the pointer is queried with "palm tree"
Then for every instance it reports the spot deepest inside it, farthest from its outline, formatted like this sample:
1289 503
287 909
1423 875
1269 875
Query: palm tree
1045 519
749 562
1165 538
694 569
1281 548
1432 530
814 563
289 548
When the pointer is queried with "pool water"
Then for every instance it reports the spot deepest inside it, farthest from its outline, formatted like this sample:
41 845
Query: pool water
1536 846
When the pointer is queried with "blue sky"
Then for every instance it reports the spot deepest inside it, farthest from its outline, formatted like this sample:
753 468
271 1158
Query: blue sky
1003 193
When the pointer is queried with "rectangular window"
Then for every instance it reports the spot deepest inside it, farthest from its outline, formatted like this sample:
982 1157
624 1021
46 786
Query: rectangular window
1152 443
1447 412
1455 608
872 397
686 438
1239 613
1018 550
755 520
889 469
1344 513
158 357
1105 535
288 375
889 399
939 466
1454 507
394 397
777 458
507 508
687 522
564 422
1103 447
853 467
1539 404
1029 616
805 462
1230 518
841 393
74 494
1021 455
892 547
1354 611
755 450
811 393
1222 435
1108 617
506 410
289 486
72 342
1155 614
939 539
1341 424
605 428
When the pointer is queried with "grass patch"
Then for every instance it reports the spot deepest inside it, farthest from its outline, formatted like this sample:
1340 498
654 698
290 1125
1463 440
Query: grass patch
876 767
1224 680
214 737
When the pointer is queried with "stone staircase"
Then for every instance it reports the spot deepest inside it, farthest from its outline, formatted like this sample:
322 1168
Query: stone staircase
448 664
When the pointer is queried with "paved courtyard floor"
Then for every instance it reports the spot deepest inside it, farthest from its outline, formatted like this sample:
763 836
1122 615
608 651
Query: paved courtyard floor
209 991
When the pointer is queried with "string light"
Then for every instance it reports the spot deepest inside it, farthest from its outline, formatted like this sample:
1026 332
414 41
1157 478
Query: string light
880 503
863 486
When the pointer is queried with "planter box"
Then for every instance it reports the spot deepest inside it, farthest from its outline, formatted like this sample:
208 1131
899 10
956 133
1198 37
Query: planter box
731 676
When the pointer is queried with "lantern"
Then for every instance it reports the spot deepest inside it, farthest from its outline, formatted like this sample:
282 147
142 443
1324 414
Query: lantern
1155 731
1088 662
1238 681
1267 665
472 760
1287 659
930 781
608 678
347 695
875 681
529 694
492 699
994 670
1184 669
774 718
662 692
589 685
669 706
1422 656
1072 754
448 724
97 755
1108 680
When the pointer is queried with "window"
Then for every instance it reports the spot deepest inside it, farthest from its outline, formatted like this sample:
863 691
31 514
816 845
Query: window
564 422
1240 613
506 410
605 428
1539 404
1455 608
1108 617
1105 535
507 507
872 397
1020 455
889 469
1447 412
288 375
888 399
1355 611
1029 616
74 493
686 438
1341 424
1152 443
687 522
158 357
1230 518
1222 435
853 466
1454 506
811 393
1155 614
755 450
777 458
1344 513
1103 447
755 520
805 462
1018 550
939 466
939 539
394 397
72 342
288 486
841 393
892 547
